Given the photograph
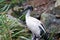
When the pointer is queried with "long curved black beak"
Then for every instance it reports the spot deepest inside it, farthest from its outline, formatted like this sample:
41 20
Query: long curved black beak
28 8
24 11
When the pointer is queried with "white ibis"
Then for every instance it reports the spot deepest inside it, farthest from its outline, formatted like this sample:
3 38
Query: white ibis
35 25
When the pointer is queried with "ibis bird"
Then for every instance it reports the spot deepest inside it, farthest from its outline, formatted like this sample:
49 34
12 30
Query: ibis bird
35 25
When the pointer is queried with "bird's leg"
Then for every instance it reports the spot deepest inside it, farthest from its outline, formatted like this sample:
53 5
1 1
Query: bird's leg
33 37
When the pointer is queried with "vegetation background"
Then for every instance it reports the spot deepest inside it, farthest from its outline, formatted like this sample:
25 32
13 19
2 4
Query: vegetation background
12 22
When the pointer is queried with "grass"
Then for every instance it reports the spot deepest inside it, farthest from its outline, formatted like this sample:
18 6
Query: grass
10 29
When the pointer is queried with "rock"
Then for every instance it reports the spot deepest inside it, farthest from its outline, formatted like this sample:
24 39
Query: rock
51 23
56 11
57 3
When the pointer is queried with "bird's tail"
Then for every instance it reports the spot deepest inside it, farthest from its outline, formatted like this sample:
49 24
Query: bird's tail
46 37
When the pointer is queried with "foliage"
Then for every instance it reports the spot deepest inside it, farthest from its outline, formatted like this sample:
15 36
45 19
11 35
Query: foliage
5 5
11 29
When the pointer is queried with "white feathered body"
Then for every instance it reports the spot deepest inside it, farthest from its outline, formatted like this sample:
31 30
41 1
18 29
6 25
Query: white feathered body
33 24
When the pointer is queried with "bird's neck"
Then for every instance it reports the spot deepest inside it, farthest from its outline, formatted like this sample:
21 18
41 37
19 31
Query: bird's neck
28 13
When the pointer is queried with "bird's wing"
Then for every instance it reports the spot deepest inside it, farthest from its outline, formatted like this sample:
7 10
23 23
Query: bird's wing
39 23
41 26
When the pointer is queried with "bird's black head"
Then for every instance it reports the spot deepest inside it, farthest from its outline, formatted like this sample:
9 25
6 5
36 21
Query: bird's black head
30 8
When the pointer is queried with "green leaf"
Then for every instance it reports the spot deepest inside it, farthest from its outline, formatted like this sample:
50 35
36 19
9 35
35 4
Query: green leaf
22 17
8 7
2 9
